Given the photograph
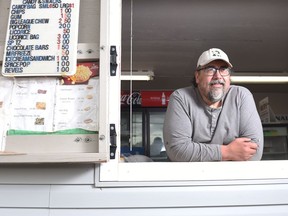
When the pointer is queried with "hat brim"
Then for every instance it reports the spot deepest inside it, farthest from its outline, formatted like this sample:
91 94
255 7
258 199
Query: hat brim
211 60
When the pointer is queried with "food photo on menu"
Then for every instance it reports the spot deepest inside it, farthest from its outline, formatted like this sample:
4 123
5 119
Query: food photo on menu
84 72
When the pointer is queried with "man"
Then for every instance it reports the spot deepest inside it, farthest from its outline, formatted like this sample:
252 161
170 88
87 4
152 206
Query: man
213 120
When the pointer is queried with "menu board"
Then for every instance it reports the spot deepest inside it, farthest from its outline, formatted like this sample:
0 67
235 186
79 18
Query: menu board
41 38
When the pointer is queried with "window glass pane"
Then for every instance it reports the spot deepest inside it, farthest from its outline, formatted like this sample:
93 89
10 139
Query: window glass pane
157 149
136 144
137 59
275 142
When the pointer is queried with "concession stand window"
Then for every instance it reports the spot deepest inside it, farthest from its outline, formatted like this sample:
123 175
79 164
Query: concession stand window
141 174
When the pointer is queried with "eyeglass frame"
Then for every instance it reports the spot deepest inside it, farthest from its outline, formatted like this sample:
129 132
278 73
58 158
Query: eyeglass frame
229 69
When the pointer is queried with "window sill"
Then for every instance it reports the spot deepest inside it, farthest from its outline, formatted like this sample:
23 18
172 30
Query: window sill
202 173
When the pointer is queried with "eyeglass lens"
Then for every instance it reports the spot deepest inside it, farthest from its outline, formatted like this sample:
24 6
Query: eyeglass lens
210 71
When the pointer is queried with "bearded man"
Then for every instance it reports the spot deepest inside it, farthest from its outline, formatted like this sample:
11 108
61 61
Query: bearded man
213 120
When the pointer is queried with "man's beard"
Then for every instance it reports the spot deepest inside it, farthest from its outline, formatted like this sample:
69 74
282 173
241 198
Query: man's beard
216 94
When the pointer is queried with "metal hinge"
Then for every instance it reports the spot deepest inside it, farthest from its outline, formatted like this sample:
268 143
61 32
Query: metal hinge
113 144
113 61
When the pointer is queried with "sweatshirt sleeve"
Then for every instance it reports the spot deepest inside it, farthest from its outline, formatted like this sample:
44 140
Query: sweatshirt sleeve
178 135
250 123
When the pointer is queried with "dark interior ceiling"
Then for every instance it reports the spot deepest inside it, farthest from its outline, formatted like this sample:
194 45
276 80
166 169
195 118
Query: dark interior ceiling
168 36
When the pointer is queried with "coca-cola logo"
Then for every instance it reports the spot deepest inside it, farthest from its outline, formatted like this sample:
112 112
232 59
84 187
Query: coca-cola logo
127 98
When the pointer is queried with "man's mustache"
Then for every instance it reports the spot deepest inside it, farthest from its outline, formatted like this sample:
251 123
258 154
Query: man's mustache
216 82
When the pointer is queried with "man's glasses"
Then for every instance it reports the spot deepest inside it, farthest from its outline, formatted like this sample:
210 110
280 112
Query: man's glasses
210 70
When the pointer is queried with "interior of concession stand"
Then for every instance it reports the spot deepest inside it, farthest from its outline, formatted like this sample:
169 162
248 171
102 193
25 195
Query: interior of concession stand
164 39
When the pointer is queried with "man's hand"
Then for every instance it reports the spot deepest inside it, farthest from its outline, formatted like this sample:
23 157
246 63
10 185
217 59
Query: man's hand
240 149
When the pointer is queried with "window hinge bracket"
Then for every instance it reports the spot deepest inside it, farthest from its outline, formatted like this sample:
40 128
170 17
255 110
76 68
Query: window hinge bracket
113 61
113 144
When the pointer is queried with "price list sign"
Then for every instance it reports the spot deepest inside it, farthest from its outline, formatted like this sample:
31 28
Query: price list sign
41 38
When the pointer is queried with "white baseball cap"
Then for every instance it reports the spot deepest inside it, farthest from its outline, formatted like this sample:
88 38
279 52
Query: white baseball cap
211 55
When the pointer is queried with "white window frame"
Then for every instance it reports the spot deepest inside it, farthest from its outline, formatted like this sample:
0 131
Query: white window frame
116 173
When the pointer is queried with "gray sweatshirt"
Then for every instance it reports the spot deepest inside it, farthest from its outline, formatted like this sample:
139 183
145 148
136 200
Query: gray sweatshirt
194 131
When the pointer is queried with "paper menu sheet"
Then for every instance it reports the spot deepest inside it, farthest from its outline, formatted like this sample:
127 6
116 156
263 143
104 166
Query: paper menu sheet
44 105
33 104
77 106
6 86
